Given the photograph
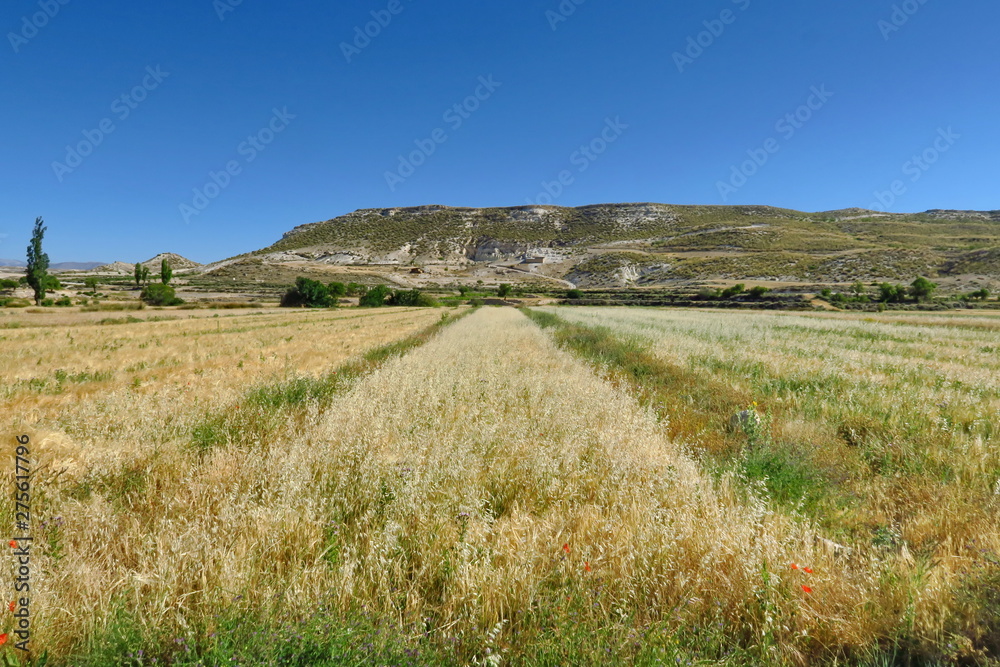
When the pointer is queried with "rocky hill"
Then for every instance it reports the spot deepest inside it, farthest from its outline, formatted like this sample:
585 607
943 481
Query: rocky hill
612 245
177 263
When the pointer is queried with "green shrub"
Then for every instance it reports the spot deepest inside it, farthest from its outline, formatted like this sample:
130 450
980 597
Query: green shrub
47 302
375 297
411 298
891 293
356 289
308 293
921 288
574 294
337 290
15 303
735 290
158 294
65 301
759 291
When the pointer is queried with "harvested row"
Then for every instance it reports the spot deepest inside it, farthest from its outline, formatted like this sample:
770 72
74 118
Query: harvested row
119 497
884 431
489 474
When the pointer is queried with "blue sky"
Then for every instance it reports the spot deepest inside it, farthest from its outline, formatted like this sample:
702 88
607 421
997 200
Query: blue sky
233 121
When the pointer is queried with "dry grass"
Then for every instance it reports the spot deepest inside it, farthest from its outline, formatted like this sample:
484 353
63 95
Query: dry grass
896 418
440 490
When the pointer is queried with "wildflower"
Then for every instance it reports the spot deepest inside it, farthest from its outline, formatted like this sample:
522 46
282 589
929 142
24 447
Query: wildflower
3 639
794 566
586 566
11 605
807 570
13 544
807 589
566 547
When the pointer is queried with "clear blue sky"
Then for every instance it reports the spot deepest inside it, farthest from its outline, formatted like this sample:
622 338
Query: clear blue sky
556 85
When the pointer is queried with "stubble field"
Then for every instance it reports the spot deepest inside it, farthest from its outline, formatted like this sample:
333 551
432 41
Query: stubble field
558 486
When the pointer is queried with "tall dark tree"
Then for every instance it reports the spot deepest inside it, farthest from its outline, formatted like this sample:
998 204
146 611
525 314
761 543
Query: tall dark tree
38 262
141 274
166 273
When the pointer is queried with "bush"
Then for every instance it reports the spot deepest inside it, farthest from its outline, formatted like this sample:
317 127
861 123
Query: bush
574 294
759 291
46 302
411 298
65 301
14 303
159 294
891 293
356 289
308 293
375 297
735 290
337 290
90 282
921 288
8 284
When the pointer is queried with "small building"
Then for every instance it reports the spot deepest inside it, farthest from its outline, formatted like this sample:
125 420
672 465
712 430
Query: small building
533 260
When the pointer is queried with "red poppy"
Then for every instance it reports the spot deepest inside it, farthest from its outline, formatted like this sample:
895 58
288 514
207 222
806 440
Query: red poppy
3 639
13 544
807 570
586 566
794 566
807 589
566 548
11 605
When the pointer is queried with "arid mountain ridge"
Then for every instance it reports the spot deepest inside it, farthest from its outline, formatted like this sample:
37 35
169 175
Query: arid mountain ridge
625 245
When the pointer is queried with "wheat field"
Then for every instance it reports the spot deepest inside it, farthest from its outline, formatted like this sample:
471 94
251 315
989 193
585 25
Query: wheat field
490 496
